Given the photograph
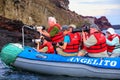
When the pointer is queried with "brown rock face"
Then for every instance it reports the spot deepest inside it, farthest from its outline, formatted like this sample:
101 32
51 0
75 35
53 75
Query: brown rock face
11 32
37 11
15 13
103 22
61 3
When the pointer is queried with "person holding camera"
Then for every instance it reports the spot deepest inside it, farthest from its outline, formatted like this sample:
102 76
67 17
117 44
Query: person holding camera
54 30
70 45
76 34
95 45
44 46
113 43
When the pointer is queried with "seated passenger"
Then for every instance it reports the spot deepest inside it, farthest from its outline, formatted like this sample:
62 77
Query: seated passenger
95 45
54 30
76 34
71 27
70 45
113 42
45 46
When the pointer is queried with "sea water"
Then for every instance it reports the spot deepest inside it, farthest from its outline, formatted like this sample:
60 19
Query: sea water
8 74
117 31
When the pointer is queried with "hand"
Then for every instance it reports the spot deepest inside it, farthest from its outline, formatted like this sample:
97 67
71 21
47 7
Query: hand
39 30
37 43
80 54
57 44
41 37
83 36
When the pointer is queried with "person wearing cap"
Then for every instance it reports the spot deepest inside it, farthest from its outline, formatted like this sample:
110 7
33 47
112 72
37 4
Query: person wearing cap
95 44
113 42
70 45
76 34
71 27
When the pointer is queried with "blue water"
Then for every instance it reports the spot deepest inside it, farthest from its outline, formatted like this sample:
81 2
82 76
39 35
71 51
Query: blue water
117 31
8 74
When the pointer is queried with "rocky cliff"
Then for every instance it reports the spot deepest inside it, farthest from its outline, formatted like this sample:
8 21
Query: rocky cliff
15 13
37 11
103 22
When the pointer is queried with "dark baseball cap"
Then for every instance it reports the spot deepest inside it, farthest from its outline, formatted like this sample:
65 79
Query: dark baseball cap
94 26
65 27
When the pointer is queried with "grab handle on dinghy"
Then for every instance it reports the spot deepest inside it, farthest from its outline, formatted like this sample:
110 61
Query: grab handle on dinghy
41 56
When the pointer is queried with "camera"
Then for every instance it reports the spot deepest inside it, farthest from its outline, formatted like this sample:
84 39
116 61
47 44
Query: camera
60 43
39 27
36 40
35 28
84 29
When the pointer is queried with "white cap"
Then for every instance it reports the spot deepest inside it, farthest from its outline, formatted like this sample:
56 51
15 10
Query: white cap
72 25
111 30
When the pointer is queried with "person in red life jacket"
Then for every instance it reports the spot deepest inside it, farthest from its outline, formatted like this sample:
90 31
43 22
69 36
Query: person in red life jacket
70 45
113 42
54 30
95 45
76 34
45 46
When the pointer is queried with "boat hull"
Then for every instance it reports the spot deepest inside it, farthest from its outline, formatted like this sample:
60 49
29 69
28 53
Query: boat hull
70 69
30 59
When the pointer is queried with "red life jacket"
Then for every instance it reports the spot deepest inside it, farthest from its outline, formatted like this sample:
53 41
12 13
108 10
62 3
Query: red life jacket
100 46
59 36
74 44
56 25
50 47
111 37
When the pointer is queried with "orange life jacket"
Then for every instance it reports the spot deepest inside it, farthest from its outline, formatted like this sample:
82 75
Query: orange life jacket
111 37
73 46
50 47
100 46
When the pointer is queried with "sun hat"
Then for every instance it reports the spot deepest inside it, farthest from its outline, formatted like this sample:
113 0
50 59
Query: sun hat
110 30
72 26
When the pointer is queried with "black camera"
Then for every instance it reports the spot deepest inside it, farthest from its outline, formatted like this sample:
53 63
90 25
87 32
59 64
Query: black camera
34 27
60 43
84 29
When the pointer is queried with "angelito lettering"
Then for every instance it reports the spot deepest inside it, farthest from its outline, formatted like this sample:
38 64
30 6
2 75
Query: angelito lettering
96 62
